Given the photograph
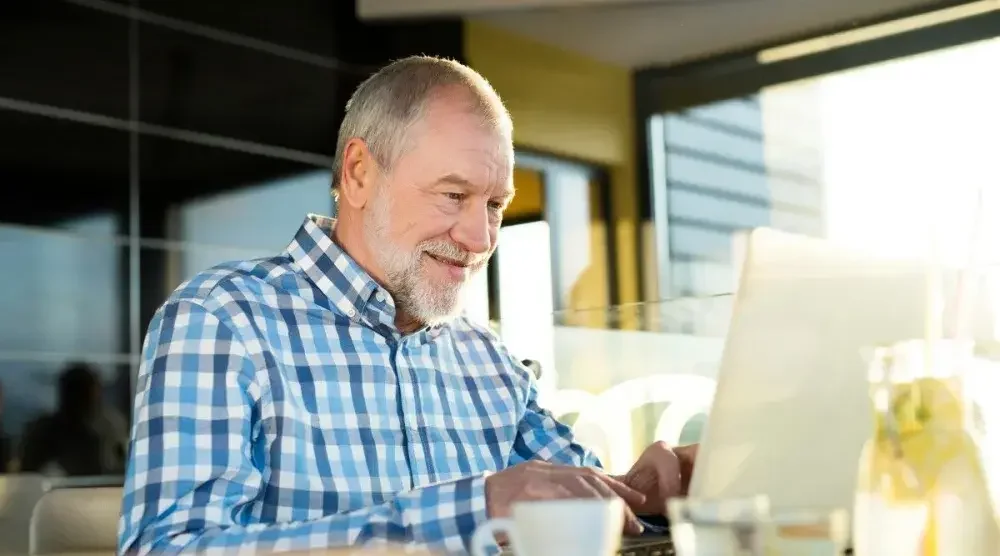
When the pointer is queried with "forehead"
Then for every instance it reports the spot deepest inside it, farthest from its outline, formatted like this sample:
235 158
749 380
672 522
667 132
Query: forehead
452 138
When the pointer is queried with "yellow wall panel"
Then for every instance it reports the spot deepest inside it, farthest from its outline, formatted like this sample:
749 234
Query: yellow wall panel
529 199
566 104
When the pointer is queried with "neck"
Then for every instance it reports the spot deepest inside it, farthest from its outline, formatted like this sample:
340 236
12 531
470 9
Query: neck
407 324
348 233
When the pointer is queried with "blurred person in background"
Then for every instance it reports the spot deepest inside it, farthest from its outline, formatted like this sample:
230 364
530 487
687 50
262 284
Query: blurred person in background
333 395
83 437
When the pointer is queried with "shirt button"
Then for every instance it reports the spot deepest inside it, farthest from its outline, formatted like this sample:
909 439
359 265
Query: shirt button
380 296
352 313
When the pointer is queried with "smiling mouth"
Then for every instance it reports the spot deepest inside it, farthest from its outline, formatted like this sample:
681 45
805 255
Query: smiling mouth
448 262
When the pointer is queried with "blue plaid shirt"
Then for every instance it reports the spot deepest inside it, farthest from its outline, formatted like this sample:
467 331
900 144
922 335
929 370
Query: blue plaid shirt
279 408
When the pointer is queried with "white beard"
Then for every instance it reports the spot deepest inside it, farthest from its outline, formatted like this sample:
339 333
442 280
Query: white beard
413 293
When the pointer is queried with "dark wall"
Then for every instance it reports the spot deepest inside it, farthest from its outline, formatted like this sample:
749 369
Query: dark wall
250 71
117 116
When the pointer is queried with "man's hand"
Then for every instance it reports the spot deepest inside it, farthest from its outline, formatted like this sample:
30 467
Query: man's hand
538 480
660 473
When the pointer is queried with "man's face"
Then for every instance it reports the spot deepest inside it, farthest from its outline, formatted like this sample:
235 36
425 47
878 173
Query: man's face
434 219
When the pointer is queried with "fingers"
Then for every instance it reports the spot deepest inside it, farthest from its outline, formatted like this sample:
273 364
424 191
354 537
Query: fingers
687 456
580 487
687 453
561 492
546 482
667 468
597 484
670 482
631 496
632 524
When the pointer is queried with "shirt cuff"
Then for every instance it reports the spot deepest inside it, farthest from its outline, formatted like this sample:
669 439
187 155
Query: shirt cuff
446 513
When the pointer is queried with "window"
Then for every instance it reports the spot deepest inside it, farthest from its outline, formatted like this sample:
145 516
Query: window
47 323
890 157
257 220
571 199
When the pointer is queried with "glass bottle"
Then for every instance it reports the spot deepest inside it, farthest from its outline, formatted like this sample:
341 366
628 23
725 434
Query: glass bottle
922 486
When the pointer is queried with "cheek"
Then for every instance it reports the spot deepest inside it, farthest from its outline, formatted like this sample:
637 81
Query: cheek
434 228
417 220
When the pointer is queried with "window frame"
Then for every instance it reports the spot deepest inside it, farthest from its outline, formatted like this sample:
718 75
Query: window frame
665 89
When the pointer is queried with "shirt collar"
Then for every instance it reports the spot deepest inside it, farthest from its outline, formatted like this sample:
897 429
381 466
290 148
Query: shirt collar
330 268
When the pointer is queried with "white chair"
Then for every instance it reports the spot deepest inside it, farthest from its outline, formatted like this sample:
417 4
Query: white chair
19 493
76 522
607 420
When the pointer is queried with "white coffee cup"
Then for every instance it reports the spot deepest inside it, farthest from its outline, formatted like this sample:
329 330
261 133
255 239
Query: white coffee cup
572 527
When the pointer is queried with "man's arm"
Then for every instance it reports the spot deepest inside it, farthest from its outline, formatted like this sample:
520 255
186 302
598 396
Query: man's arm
541 437
191 473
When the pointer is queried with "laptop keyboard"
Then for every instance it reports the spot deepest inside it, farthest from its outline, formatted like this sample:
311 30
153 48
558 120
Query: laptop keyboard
657 547
653 547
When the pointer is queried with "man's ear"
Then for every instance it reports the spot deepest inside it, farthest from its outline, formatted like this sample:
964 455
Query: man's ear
358 174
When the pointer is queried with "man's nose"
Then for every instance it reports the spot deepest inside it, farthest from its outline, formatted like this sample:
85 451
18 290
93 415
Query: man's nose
473 231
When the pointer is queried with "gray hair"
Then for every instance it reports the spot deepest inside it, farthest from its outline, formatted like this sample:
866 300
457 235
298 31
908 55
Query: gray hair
385 106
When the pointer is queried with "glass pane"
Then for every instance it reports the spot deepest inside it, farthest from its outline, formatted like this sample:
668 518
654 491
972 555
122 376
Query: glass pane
292 29
529 201
187 177
183 261
65 291
524 265
648 375
477 298
578 235
524 274
51 49
890 158
198 83
264 215
60 169
30 386
254 221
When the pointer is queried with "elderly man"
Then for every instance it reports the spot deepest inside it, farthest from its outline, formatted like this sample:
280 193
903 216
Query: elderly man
331 395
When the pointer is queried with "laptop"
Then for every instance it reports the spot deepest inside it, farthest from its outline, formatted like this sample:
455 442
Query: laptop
791 410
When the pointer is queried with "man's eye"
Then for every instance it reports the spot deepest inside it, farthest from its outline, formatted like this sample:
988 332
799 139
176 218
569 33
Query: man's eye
455 196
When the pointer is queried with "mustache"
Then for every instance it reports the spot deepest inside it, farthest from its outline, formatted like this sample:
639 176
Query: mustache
452 252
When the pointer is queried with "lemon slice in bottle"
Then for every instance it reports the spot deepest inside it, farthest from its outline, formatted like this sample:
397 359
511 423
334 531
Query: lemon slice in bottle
927 433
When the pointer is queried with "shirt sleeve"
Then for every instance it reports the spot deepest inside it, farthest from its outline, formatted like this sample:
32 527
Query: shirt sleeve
191 475
541 436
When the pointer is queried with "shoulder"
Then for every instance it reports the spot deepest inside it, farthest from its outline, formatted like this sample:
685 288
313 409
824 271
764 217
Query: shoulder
233 282
231 291
466 329
217 312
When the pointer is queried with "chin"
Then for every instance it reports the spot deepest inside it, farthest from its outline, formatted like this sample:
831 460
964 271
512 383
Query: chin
438 313
435 301
434 318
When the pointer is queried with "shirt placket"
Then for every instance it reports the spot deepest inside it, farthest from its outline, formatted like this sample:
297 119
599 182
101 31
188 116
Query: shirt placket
414 420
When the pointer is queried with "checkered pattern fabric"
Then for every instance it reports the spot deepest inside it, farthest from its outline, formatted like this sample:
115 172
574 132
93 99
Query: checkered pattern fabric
278 408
